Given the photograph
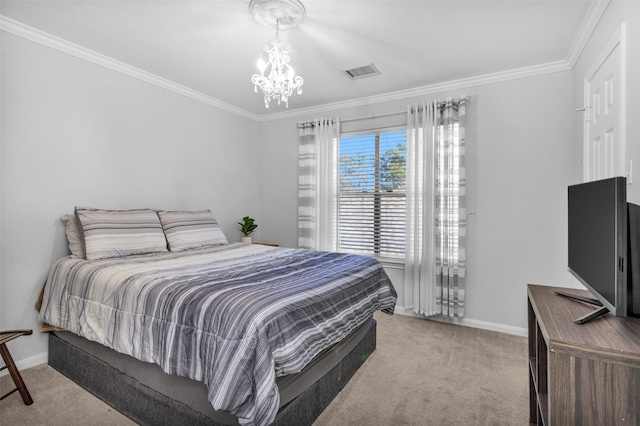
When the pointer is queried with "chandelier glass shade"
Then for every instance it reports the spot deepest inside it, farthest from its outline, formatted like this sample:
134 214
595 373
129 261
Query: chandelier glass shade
276 78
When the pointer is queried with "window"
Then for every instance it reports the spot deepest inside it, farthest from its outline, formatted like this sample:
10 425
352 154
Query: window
371 197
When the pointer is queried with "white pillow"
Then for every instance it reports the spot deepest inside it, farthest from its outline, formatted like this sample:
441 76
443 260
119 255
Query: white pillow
74 235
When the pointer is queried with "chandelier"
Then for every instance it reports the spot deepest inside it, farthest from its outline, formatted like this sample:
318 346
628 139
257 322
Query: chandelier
277 80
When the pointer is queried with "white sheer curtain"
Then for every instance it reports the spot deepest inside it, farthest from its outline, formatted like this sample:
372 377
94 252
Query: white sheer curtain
420 259
318 184
434 282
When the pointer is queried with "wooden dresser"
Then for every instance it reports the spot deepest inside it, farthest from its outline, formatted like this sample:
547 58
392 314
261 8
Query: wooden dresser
581 374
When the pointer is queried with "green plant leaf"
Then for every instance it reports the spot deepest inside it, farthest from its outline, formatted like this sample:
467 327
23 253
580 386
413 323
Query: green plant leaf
247 226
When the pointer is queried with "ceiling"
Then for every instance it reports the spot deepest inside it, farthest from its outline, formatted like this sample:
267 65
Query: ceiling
211 47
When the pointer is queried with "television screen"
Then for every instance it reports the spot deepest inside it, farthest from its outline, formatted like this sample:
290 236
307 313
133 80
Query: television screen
598 240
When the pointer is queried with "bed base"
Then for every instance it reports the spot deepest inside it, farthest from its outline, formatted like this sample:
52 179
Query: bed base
146 406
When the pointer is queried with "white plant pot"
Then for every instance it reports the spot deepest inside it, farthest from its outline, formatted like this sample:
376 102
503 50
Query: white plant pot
246 240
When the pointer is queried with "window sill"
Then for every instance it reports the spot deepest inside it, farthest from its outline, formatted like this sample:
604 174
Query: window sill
387 262
391 262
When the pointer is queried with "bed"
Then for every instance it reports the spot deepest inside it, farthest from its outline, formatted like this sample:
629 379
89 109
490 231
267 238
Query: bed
165 319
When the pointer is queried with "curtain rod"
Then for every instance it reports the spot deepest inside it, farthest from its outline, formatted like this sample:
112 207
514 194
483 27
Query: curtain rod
302 124
367 117
310 122
370 117
345 120
440 104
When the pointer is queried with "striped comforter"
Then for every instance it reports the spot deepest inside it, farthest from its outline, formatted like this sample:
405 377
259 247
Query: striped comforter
232 316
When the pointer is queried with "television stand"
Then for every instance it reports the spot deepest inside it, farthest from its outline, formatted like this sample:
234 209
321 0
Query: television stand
591 315
581 374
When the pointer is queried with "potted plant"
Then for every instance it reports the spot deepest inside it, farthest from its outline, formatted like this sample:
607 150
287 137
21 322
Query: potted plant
247 226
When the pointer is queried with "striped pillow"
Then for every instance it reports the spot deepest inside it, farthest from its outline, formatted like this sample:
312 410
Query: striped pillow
117 233
185 230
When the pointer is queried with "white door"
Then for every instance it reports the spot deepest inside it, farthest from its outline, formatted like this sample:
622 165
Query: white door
604 113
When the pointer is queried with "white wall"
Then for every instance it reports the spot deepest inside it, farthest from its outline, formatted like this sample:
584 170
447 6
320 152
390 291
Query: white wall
519 163
74 133
616 13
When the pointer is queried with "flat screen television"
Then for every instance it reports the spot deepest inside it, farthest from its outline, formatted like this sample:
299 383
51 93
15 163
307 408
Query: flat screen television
598 243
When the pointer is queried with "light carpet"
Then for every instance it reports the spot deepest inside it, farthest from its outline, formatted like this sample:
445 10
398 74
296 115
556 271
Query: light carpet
422 373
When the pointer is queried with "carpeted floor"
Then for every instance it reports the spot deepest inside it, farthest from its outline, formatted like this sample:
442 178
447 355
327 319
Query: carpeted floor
422 373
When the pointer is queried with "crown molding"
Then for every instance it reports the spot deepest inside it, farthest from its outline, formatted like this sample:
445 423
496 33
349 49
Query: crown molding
588 26
452 85
586 30
19 29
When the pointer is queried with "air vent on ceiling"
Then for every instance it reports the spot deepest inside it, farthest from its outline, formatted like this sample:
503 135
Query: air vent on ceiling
360 72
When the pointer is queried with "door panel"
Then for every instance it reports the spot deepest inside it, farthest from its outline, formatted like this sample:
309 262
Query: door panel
604 142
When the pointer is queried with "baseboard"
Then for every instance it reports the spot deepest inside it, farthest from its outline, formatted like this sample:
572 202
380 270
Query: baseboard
468 322
32 361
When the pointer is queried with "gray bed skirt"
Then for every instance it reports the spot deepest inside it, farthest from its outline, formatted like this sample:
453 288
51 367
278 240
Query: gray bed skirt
147 406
